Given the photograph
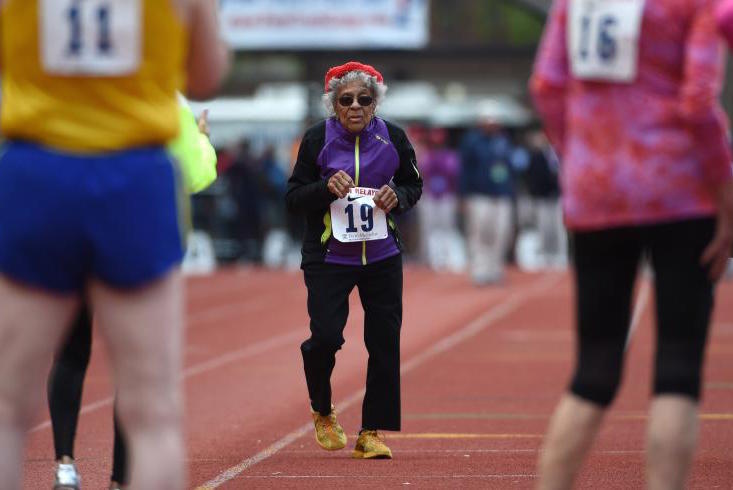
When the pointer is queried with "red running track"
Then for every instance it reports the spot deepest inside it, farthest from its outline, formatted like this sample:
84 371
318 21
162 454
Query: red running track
482 370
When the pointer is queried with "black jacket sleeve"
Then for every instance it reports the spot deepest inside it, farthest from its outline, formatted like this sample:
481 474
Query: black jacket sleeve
307 191
407 182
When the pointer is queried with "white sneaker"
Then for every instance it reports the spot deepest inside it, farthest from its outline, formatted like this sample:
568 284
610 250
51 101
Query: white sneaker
67 478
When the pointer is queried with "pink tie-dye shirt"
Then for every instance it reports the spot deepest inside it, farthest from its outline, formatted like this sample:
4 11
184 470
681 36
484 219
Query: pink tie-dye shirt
724 17
648 151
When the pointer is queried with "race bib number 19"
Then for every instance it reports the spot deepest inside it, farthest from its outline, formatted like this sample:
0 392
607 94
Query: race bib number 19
356 218
90 37
603 39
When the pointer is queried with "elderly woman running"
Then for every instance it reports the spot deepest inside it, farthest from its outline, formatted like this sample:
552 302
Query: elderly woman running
353 172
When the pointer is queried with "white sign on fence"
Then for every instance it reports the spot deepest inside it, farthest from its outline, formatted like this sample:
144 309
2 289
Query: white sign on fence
325 24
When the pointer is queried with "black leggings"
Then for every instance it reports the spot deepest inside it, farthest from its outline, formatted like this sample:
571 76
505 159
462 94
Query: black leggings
606 264
64 395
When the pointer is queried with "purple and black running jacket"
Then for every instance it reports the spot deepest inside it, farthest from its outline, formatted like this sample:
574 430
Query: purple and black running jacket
380 154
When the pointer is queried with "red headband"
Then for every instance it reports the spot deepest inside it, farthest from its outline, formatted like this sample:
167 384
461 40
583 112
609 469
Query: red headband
341 70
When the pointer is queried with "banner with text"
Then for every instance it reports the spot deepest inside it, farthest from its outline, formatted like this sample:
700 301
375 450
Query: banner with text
325 24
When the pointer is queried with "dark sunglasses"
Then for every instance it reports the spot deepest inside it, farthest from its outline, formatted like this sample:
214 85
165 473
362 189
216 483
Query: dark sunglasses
363 100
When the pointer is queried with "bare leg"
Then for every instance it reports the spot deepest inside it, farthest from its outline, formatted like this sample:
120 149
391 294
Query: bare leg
32 323
144 329
573 428
671 441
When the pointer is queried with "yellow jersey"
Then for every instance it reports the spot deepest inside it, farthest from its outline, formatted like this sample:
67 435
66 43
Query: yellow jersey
89 76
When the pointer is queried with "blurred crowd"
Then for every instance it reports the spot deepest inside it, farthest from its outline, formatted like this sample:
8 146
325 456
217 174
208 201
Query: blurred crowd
490 197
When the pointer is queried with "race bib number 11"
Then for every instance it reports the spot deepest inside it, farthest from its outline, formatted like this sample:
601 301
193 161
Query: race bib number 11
603 39
356 218
90 37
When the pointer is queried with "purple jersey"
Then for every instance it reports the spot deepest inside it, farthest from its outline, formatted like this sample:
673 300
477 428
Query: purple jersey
371 159
379 155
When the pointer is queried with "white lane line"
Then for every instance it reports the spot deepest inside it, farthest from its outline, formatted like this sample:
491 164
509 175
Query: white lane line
497 312
467 451
227 309
641 301
245 353
228 358
274 448
432 451
400 477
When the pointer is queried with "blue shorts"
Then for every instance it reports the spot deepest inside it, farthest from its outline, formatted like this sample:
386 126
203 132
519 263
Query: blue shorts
67 218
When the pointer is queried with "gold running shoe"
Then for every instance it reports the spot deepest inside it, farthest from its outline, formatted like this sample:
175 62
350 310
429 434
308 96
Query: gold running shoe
329 433
370 445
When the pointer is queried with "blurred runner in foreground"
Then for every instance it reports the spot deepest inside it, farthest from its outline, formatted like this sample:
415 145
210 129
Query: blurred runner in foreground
89 205
628 92
197 160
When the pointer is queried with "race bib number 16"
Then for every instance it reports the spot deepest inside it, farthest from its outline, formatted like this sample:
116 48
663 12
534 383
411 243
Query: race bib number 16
603 39
356 218
90 37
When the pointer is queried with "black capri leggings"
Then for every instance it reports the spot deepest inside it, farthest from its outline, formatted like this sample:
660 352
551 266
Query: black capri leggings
606 264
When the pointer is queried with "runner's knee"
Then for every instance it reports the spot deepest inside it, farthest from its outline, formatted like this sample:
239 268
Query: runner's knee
145 410
678 369
319 343
598 374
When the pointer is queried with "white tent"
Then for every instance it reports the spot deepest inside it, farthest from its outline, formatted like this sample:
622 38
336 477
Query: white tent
504 110
410 102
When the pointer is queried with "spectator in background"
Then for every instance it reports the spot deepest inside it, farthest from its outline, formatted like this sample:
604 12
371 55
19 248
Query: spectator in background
277 246
246 193
541 179
487 190
440 239
273 185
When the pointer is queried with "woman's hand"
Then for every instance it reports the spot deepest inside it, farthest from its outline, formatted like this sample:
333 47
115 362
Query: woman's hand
340 183
386 198
717 253
203 122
